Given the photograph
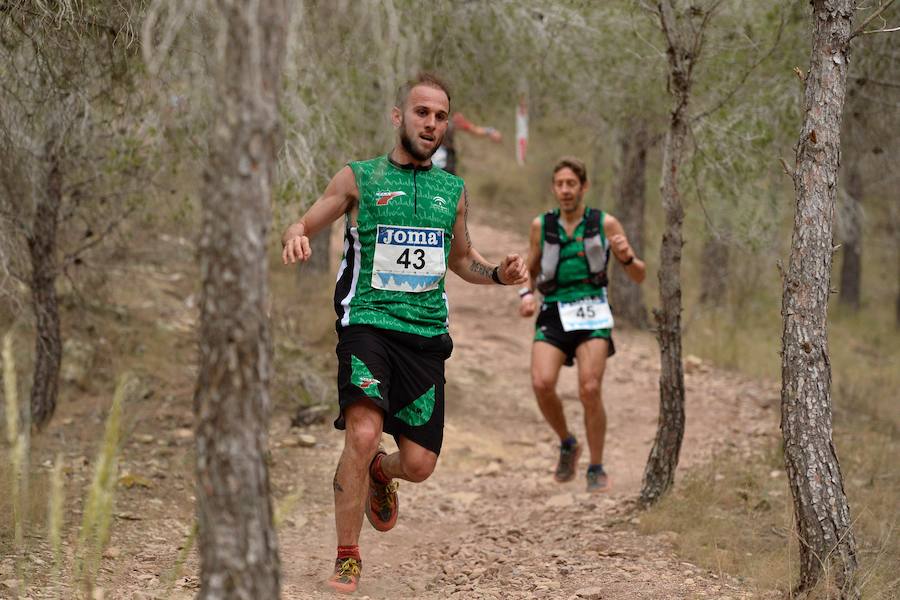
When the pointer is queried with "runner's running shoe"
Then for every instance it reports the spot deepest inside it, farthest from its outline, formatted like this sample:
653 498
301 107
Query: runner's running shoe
568 459
382 504
346 575
597 481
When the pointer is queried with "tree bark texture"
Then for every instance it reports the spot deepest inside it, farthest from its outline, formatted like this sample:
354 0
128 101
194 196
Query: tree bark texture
851 239
626 296
237 540
659 473
714 270
827 545
44 270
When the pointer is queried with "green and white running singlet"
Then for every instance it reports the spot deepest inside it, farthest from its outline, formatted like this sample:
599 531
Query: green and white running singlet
395 257
573 275
568 315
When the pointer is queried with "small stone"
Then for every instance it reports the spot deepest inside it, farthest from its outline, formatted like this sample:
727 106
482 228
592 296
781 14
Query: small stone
491 470
145 438
184 433
591 593
304 440
688 581
464 498
692 363
775 473
561 500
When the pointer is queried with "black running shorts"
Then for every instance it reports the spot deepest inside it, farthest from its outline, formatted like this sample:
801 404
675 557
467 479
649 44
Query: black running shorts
401 373
548 328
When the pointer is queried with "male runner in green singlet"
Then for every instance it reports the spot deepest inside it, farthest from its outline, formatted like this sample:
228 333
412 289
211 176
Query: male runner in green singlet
405 224
567 259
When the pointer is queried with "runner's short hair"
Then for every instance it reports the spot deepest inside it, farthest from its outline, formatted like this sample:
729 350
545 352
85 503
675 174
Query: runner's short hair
422 78
570 162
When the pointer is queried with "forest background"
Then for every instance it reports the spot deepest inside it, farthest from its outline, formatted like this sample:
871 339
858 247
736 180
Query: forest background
104 117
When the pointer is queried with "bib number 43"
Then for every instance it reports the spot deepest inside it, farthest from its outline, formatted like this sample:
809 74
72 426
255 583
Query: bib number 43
408 259
417 262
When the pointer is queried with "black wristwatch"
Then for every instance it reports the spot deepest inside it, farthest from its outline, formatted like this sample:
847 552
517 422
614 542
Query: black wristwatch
625 263
495 275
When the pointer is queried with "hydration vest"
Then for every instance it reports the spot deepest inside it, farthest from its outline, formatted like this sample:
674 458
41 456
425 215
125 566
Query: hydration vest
595 252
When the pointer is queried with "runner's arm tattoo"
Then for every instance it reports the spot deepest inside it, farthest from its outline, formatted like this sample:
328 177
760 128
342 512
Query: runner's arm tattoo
480 268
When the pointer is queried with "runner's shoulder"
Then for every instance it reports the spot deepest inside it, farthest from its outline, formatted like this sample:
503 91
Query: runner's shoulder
447 178
368 163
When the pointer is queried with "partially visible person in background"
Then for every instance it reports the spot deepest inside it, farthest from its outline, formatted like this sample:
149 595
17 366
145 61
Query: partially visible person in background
445 156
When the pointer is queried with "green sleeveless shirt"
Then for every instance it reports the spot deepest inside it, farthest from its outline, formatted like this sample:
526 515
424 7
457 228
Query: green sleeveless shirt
395 258
573 272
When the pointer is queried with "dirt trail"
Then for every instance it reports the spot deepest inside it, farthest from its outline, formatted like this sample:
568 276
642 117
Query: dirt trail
490 522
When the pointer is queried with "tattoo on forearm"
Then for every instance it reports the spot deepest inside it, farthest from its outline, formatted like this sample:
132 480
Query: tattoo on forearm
480 268
466 217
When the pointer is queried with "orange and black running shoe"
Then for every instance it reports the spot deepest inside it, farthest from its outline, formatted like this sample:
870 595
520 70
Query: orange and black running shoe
346 575
382 504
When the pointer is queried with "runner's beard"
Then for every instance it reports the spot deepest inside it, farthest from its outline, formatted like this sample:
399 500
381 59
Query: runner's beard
575 206
416 153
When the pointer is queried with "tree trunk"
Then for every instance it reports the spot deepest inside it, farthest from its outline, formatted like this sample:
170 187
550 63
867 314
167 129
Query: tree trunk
827 546
851 242
659 473
237 541
714 269
48 344
625 295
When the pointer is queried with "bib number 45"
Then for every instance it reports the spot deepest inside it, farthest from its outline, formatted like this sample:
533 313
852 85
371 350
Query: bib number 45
586 312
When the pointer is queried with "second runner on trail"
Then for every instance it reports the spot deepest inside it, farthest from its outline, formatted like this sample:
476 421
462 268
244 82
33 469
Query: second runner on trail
568 254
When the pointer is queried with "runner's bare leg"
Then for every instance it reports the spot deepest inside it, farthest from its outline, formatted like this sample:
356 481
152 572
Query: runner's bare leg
546 361
412 463
351 478
591 359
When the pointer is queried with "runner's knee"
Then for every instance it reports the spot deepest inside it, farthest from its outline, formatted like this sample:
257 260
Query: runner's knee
364 437
420 466
542 385
589 389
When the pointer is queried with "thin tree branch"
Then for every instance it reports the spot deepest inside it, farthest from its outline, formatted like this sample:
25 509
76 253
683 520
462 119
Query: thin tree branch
891 30
98 238
869 19
725 99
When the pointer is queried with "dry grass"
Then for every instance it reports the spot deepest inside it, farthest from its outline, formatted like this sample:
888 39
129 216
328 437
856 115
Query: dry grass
732 515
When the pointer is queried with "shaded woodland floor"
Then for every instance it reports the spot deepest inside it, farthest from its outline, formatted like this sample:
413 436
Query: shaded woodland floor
490 523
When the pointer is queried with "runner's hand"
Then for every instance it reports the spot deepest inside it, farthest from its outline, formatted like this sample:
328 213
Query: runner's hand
296 248
620 247
528 306
512 270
